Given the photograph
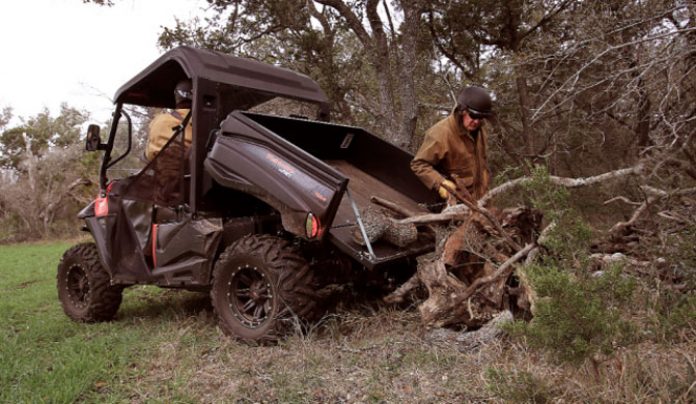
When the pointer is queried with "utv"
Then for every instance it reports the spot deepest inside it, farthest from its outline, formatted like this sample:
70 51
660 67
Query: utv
261 211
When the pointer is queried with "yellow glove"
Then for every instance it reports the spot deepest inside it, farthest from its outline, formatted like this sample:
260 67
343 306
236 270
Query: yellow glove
444 193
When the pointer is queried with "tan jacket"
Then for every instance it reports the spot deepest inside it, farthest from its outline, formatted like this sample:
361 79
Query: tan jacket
162 128
450 152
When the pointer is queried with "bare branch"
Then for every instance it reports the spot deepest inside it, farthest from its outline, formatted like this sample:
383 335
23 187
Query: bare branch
483 212
656 194
665 194
575 76
438 217
350 17
320 17
638 169
622 199
545 19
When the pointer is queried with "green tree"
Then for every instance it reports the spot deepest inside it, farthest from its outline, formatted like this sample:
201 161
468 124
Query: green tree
5 117
41 133
50 174
372 57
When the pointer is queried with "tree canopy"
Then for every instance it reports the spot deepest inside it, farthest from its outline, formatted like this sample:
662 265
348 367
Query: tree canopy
569 76
39 133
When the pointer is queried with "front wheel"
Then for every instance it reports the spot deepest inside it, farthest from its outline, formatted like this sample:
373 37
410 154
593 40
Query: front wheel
84 287
261 288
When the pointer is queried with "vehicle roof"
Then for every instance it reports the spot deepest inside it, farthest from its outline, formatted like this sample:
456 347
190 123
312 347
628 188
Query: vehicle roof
153 87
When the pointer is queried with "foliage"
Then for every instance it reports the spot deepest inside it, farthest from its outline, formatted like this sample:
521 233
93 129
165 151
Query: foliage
372 58
569 240
683 254
47 176
39 134
668 284
575 317
671 317
578 314
5 117
544 195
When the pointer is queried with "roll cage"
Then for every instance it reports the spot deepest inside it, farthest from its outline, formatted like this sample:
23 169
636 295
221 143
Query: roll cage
221 84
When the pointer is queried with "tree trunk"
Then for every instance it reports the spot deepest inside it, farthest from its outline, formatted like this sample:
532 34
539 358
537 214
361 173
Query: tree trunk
524 103
407 67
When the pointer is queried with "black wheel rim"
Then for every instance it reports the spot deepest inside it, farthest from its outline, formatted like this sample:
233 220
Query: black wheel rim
250 296
77 286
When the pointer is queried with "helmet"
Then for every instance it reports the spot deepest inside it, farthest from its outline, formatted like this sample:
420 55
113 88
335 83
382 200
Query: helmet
183 93
476 101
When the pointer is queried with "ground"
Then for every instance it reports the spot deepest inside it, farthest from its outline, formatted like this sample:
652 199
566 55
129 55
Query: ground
164 346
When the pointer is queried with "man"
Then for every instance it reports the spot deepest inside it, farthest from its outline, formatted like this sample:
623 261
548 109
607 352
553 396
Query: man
453 153
163 126
169 166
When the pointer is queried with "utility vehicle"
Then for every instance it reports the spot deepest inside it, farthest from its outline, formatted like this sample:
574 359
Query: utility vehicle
261 212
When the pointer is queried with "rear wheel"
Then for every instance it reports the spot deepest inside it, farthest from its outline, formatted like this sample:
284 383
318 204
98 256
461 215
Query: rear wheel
261 288
84 288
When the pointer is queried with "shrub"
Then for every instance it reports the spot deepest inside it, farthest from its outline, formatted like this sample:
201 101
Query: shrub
577 314
569 241
576 318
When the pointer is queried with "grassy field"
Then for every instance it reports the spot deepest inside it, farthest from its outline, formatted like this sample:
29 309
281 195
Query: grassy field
164 347
46 357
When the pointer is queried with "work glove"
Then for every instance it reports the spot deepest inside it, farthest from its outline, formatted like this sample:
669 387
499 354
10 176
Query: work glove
444 193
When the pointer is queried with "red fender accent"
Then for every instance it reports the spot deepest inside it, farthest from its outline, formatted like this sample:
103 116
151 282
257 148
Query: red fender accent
154 244
101 204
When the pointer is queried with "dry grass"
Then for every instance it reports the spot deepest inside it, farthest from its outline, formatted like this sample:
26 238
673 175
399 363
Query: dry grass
165 347
367 355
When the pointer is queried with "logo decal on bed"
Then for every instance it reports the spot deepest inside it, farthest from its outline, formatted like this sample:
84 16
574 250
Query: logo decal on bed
281 165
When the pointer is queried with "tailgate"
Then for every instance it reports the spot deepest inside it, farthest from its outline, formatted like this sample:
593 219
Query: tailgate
248 157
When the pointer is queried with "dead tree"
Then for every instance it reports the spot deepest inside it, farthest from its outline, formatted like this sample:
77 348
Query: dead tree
467 276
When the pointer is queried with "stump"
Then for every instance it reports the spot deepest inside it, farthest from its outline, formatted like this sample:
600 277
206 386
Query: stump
467 277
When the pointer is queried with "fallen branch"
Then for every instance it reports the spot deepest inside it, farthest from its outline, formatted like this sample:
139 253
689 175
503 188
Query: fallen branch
563 181
543 238
485 213
665 194
620 226
456 212
473 237
622 199
392 206
503 271
656 194
674 216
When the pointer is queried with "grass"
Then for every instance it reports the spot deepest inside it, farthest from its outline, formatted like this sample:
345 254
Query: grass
164 346
45 357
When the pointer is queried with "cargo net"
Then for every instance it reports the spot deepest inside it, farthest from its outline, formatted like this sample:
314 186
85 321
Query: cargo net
162 180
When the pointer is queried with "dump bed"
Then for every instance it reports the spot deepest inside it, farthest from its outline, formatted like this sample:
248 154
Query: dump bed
344 162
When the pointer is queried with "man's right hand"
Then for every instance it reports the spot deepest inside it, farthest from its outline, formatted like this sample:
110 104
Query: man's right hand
444 193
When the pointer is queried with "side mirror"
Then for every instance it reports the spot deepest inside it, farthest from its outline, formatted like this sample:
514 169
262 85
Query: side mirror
93 141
